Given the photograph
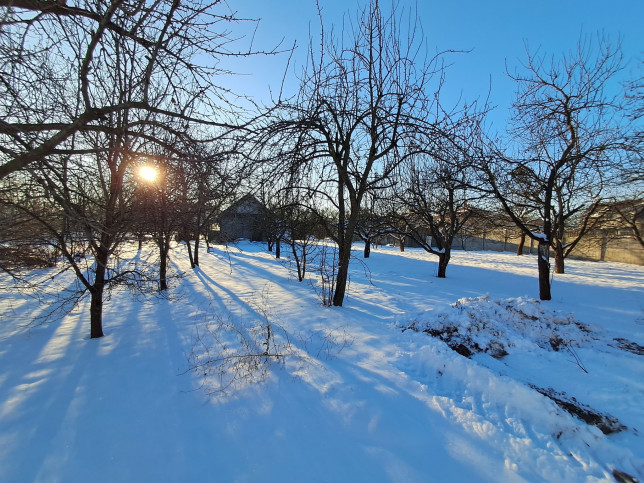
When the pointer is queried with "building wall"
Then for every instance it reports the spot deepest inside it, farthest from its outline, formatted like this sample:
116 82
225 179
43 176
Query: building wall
244 219
241 226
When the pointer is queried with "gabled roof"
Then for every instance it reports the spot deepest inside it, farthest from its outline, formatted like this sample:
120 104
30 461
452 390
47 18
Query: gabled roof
246 205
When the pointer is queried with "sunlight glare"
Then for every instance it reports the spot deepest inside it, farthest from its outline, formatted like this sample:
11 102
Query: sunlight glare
148 173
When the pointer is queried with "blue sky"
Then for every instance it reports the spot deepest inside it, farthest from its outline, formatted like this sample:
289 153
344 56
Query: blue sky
495 32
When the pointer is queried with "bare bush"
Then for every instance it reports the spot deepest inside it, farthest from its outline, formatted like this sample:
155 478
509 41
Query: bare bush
327 267
231 355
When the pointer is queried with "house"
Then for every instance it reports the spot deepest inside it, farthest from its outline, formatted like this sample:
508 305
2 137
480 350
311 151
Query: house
246 218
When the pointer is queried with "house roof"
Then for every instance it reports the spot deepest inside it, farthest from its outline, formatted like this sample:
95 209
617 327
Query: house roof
246 205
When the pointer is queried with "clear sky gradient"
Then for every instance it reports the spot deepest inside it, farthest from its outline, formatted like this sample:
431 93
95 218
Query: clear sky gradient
495 32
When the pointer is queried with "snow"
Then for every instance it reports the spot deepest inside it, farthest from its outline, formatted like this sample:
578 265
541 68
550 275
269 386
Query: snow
356 395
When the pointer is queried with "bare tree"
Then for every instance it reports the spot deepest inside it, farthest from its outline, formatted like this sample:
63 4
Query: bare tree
277 196
635 103
157 207
85 90
210 178
567 136
24 242
300 237
626 212
91 206
523 191
168 48
626 208
355 118
436 191
373 222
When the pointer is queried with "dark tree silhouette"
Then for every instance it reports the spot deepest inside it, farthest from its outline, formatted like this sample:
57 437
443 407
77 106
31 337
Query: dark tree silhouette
568 137
356 118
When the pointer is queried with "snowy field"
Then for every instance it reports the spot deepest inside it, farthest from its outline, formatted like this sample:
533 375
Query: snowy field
378 390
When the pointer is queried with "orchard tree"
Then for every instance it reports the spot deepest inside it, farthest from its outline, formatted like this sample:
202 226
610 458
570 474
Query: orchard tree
54 57
210 178
356 117
157 207
92 203
373 222
25 244
624 212
627 206
567 138
437 192
85 89
635 103
278 197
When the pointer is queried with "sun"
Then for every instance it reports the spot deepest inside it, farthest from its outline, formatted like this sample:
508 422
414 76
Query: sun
148 173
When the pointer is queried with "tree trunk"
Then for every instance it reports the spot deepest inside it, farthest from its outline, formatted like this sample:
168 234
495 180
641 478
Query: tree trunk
270 245
543 261
443 260
401 244
278 249
521 244
559 257
96 291
342 276
367 248
163 273
296 257
164 248
96 312
192 260
196 256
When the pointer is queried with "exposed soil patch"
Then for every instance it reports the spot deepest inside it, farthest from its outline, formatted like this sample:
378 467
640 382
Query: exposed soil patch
464 345
450 336
496 327
622 477
629 346
500 327
605 422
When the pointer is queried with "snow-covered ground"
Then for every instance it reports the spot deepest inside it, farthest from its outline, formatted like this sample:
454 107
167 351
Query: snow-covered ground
360 393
